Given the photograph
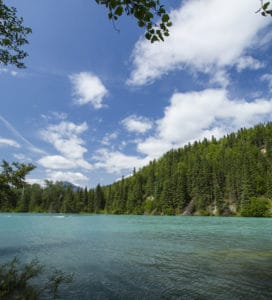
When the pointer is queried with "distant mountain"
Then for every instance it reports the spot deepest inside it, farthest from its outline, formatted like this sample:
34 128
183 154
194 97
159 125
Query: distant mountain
69 184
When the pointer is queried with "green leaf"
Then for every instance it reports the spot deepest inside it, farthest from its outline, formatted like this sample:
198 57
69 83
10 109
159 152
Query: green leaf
119 11
154 39
148 36
165 18
141 23
265 6
149 26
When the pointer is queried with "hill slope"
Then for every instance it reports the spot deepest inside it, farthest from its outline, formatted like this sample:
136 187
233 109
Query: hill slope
230 176
217 177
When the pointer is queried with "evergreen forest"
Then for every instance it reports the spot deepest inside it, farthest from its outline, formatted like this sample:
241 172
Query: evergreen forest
227 176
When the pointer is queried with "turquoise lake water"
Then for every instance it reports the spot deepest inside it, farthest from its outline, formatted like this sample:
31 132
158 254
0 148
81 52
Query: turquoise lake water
147 257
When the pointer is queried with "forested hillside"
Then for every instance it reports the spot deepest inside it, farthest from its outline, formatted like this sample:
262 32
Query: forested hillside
230 176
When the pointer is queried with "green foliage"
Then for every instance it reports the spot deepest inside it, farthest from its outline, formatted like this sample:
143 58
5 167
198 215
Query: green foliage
145 12
265 9
13 35
12 183
256 207
150 205
149 14
16 281
55 280
217 177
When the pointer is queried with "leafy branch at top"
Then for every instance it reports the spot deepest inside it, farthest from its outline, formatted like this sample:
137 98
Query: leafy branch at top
145 12
265 8
12 37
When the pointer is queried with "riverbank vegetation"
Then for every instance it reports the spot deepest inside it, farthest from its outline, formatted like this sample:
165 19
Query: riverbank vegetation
23 281
229 176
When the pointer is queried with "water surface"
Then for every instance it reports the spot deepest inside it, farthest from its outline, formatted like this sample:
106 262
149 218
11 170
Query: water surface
147 257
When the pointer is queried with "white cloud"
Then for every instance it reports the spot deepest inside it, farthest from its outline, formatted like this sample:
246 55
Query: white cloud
57 162
248 62
207 35
188 117
75 178
22 157
195 115
9 142
88 88
60 162
137 124
109 137
25 141
35 181
220 78
54 115
7 71
65 137
117 162
154 147
268 79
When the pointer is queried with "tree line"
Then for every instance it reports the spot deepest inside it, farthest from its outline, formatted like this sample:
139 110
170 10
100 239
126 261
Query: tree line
229 176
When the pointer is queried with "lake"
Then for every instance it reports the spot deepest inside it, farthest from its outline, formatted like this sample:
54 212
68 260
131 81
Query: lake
147 257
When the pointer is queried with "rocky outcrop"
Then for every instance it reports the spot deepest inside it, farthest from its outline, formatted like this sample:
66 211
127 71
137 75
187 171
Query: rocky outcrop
189 209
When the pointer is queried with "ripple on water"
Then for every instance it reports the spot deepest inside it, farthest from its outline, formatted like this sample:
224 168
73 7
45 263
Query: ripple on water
136 257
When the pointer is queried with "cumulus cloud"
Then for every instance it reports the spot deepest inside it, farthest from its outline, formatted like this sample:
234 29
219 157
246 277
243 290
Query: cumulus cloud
154 147
189 116
117 162
109 137
195 115
137 124
220 78
248 62
75 178
88 88
35 181
207 35
57 162
9 142
268 79
65 137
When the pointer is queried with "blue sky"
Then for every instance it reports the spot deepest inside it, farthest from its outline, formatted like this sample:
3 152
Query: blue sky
94 103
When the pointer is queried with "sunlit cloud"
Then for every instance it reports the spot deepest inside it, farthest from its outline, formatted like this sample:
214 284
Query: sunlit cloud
9 142
137 124
88 88
206 36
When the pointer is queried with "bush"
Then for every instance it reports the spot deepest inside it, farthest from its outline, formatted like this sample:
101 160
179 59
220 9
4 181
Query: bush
169 211
257 207
15 281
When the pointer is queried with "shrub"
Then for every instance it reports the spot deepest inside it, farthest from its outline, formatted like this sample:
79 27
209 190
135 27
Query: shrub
16 281
257 207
